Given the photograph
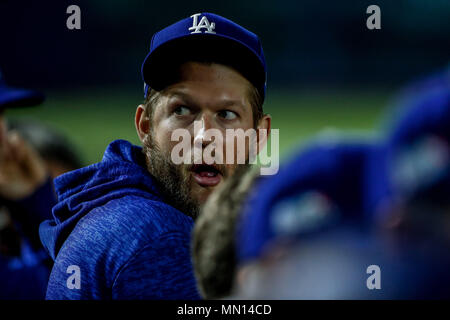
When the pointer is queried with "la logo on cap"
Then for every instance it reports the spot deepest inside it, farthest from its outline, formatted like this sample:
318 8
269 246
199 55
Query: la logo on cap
204 24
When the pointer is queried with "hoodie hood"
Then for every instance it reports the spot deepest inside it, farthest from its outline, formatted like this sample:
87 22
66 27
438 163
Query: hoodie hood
121 172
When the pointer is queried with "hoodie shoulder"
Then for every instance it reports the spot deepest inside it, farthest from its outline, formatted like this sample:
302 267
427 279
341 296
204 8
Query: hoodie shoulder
104 240
106 212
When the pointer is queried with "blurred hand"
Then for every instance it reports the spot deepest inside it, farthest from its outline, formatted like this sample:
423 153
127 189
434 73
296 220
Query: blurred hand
22 170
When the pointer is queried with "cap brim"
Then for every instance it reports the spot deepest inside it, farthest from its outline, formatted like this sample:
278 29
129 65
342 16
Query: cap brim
161 64
15 98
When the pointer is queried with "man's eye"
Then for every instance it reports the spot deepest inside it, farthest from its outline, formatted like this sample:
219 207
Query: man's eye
227 114
182 111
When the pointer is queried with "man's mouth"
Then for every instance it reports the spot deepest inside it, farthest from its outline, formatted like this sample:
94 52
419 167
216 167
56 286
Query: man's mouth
206 175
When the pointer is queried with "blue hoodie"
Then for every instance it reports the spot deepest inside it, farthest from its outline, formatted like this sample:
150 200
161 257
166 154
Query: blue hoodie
113 237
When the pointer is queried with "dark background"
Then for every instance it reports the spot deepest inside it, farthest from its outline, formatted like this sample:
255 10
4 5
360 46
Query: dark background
306 42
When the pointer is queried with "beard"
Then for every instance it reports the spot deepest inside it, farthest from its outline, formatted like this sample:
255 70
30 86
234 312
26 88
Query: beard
173 180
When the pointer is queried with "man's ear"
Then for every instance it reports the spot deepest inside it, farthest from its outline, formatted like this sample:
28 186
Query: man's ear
142 122
263 125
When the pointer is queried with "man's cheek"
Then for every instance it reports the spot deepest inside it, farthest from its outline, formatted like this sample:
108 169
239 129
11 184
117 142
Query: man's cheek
162 134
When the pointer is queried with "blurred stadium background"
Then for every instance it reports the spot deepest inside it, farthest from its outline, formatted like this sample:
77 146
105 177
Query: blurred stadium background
326 69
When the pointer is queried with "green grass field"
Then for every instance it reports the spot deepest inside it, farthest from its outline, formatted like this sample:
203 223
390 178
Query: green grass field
92 119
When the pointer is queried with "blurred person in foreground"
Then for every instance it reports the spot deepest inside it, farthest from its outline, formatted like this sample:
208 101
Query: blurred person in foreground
122 227
26 199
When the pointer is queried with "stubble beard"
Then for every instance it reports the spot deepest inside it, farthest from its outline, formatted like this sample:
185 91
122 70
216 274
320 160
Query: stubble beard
173 180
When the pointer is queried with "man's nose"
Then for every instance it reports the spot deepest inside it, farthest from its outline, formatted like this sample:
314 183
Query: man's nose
201 126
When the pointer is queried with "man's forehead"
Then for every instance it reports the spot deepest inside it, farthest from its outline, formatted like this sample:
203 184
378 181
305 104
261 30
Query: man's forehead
184 93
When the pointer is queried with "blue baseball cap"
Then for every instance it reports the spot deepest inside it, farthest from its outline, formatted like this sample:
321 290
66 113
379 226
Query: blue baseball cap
416 157
204 37
14 97
319 188
419 147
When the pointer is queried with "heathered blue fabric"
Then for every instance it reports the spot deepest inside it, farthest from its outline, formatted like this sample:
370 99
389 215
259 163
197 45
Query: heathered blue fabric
112 223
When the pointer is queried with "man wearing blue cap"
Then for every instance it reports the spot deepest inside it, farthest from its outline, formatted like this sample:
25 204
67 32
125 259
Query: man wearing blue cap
122 226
